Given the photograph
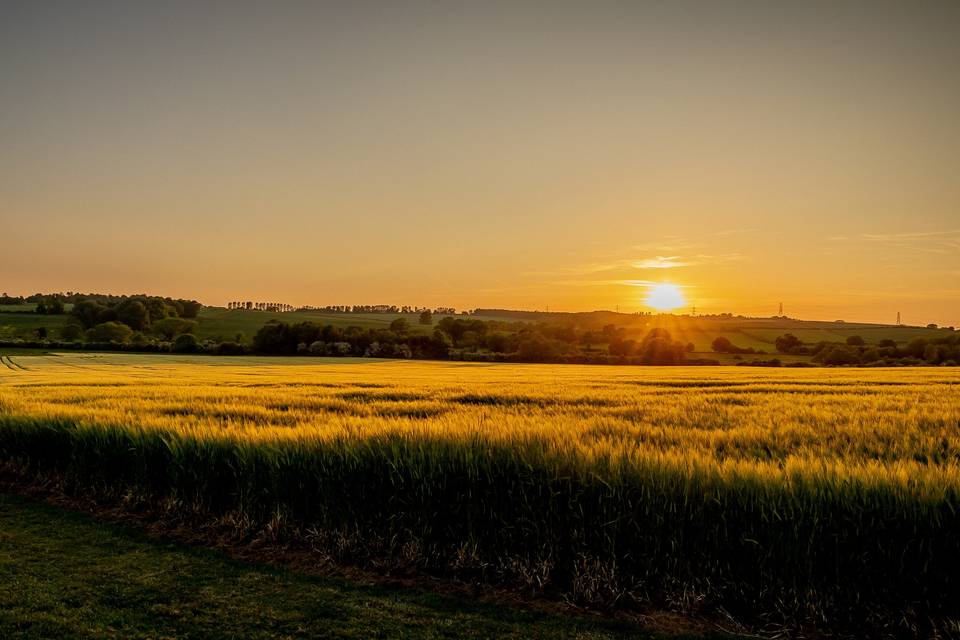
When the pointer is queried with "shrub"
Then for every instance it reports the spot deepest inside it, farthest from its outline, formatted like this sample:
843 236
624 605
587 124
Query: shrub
111 332
186 343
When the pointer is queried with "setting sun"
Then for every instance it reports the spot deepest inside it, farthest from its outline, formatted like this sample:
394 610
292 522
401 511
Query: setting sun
665 297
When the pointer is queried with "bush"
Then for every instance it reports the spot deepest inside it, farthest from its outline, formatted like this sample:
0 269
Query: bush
72 331
170 328
186 343
838 355
230 349
111 332
788 343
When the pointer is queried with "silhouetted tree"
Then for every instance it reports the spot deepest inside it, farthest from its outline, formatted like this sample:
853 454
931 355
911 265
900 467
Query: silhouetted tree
400 325
788 343
110 332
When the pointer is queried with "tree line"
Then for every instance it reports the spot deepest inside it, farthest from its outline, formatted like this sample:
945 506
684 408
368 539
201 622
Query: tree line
855 351
472 339
108 319
346 308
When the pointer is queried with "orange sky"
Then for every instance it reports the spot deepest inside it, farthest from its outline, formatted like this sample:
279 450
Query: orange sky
488 156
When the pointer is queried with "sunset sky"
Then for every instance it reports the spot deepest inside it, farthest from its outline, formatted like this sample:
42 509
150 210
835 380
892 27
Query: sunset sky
518 155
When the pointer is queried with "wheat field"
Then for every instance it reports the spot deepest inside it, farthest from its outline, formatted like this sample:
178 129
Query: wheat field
799 493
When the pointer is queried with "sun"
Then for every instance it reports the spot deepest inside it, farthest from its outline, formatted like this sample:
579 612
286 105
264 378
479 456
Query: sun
665 297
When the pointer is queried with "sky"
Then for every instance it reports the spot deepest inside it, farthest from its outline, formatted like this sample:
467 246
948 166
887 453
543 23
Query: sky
526 155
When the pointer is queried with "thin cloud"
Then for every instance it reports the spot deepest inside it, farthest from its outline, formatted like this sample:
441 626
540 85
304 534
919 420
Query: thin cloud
941 241
661 262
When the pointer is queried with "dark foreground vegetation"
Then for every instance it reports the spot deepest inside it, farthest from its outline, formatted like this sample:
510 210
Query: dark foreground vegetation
68 576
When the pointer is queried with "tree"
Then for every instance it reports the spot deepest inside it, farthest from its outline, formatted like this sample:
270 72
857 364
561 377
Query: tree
588 339
87 312
274 337
110 332
426 317
916 347
230 349
133 314
722 345
169 328
788 343
186 343
839 355
856 341
658 348
537 349
157 308
400 326
71 331
619 347
190 308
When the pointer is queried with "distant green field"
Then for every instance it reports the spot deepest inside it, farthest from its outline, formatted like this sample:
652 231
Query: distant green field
23 325
870 334
224 324
765 337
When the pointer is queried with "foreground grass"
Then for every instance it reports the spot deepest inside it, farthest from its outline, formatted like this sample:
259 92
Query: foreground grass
68 576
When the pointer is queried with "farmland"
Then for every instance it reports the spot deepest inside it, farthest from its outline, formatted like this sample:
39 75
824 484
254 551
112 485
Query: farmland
487 335
808 496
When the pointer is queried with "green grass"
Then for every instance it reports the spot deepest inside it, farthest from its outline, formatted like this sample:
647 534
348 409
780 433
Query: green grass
872 335
225 324
66 575
22 325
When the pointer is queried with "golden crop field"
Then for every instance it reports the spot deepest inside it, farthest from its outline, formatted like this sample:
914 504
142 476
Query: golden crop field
803 492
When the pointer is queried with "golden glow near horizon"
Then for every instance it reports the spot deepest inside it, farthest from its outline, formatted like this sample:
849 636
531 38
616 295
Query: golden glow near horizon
486 154
665 297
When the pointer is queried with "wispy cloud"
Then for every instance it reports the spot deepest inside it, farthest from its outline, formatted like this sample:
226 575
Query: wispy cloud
939 241
635 265
645 283
661 262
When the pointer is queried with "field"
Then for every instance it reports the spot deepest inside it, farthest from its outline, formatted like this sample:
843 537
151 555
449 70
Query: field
225 324
792 496
219 324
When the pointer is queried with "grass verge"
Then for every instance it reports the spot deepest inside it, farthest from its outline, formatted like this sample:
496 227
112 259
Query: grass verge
67 575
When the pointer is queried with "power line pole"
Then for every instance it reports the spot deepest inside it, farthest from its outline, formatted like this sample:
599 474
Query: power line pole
898 318
781 309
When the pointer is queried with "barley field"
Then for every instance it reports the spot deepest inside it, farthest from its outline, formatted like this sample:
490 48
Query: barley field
804 494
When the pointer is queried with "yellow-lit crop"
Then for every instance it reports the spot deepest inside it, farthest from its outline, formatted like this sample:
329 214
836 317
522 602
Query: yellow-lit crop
796 489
